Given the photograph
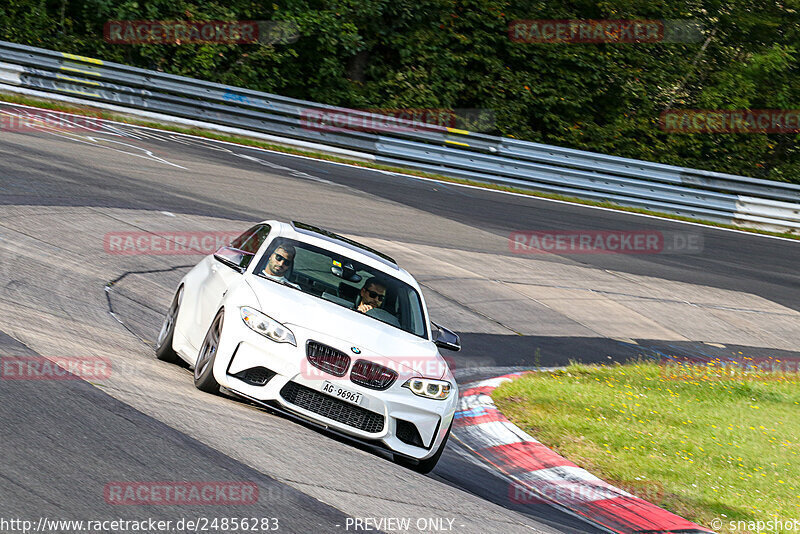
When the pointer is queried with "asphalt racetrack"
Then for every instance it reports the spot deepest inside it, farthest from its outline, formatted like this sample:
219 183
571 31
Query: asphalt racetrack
67 441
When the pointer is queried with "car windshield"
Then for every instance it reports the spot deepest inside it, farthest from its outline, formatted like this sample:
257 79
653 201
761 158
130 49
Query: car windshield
343 281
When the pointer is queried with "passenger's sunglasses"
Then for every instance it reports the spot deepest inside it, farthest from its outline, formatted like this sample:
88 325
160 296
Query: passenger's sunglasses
281 259
374 295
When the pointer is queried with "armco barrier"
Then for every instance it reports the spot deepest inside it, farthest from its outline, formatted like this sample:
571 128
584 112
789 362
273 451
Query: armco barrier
448 151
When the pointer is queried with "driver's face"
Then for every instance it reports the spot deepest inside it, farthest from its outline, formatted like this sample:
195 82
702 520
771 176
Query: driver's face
373 295
279 262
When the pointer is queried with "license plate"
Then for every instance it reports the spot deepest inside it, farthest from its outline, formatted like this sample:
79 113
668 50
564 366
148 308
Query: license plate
341 393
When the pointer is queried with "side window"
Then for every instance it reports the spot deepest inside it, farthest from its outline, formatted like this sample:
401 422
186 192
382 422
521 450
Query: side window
256 239
239 242
241 251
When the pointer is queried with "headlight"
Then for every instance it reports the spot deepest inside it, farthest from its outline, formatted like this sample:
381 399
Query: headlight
429 388
267 326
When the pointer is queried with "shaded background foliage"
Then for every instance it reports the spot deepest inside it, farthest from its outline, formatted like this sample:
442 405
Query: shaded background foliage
457 54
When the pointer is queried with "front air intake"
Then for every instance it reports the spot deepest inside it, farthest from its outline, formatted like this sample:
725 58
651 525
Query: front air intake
332 408
255 376
407 432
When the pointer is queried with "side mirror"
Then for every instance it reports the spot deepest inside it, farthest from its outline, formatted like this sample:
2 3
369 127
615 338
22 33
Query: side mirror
445 338
233 258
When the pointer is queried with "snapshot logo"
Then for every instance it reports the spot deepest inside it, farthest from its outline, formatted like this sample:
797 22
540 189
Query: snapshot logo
219 32
54 368
730 121
604 242
165 243
756 525
375 368
570 492
591 31
31 120
397 119
180 493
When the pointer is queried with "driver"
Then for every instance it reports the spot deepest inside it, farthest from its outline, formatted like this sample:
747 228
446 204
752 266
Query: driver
279 263
372 294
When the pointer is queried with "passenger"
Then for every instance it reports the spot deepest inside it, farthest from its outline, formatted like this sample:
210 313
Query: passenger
372 294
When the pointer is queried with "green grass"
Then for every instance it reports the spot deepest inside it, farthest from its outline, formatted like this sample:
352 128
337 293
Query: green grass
96 112
703 444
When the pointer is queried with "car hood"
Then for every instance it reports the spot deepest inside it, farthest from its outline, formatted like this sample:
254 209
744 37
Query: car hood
374 338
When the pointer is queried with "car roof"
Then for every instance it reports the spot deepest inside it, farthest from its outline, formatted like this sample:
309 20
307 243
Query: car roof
343 245
304 228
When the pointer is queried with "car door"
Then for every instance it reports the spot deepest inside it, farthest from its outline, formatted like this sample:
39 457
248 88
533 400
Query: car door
225 268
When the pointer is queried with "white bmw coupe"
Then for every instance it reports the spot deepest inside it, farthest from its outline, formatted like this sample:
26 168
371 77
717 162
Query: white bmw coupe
318 326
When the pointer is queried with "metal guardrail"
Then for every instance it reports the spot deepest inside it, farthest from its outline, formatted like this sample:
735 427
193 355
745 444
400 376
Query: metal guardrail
448 151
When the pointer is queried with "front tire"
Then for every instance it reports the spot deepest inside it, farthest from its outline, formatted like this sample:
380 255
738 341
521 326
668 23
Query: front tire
424 466
204 367
164 350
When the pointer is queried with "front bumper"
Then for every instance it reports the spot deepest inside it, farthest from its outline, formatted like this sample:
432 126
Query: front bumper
382 417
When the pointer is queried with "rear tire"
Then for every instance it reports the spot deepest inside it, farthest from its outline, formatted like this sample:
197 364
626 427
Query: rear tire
424 466
164 350
204 367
